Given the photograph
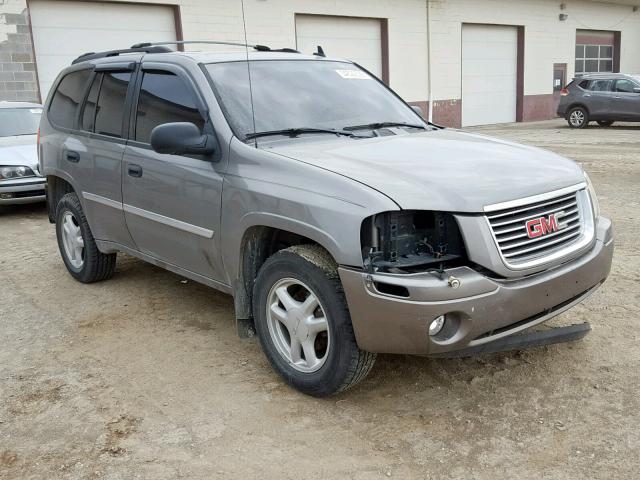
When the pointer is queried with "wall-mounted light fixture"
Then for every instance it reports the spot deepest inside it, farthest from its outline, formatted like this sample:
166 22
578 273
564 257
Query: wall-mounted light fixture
563 17
563 6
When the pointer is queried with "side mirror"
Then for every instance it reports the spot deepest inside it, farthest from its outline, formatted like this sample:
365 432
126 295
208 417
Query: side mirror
181 138
418 110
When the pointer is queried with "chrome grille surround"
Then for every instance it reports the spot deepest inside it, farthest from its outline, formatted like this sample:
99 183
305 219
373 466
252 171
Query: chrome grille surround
507 223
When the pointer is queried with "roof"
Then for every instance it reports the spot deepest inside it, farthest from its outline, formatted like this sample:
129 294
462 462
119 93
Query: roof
5 104
607 75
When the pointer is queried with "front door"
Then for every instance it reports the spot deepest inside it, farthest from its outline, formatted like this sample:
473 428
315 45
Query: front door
626 100
171 203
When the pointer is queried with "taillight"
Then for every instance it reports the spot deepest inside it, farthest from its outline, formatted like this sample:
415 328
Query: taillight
564 92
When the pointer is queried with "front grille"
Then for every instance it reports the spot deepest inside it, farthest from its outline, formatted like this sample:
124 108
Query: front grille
510 231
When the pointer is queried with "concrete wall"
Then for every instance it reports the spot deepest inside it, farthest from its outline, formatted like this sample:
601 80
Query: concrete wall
547 40
17 67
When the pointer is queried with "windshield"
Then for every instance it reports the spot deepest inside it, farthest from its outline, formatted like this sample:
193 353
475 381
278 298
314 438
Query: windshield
318 94
19 121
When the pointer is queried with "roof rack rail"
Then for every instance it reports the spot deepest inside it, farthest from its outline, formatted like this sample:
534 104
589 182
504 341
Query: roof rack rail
161 47
259 48
115 53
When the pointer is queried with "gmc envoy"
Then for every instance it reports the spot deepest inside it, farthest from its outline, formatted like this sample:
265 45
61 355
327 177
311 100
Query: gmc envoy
343 224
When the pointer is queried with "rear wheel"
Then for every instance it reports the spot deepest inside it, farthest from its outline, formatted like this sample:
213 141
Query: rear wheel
303 322
605 123
77 246
578 117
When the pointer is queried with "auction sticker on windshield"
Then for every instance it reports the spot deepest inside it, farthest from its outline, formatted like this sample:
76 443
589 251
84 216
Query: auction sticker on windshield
353 74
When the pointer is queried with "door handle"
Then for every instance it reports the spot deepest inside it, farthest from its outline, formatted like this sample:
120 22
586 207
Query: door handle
73 157
587 95
616 97
134 170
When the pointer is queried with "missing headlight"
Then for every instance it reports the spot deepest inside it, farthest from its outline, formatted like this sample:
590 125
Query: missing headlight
411 241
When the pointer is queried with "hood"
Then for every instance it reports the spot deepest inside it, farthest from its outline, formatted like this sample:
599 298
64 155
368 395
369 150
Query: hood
439 170
20 150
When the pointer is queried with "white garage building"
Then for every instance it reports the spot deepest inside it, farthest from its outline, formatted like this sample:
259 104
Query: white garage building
469 62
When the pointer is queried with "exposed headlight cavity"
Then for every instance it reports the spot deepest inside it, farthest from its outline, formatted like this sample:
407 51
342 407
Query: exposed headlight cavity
410 241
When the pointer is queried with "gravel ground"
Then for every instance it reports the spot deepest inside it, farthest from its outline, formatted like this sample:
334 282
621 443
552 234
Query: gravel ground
143 376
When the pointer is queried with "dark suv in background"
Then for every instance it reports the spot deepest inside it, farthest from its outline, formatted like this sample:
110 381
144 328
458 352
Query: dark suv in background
601 97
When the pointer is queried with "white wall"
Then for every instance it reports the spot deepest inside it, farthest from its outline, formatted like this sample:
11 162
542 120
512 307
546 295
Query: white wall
547 40
272 22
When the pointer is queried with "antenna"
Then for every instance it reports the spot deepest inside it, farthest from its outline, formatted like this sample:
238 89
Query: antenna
320 52
253 113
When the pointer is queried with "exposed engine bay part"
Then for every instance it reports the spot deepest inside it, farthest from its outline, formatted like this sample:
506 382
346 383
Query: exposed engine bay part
410 241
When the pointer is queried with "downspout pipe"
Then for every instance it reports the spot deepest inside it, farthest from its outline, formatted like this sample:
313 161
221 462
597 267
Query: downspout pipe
430 86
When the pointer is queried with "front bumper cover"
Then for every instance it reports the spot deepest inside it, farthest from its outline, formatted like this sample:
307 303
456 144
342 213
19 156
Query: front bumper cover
23 190
481 310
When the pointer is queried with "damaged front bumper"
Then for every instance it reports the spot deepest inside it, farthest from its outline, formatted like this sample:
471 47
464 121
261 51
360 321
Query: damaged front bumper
391 313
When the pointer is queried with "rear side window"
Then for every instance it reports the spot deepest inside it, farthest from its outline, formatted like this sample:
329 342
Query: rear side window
89 110
600 85
164 98
67 98
110 105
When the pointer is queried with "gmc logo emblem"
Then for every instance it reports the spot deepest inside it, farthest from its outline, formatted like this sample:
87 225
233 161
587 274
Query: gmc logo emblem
538 227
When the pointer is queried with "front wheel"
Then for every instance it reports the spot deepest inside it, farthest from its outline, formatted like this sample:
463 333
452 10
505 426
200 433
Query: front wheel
578 117
303 322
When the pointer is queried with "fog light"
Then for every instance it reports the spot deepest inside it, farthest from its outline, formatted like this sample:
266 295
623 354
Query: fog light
436 325
6 196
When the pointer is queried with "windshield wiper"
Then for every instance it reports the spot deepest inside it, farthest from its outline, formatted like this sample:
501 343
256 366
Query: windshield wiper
294 132
376 126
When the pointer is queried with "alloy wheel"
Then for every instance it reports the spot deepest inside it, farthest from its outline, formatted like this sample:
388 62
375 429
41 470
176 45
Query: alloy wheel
297 324
576 118
72 240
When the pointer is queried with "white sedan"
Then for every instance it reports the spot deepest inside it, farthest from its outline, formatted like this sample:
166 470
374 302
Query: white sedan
20 180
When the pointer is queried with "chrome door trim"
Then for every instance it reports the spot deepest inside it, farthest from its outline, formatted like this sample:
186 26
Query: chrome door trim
156 217
102 200
171 222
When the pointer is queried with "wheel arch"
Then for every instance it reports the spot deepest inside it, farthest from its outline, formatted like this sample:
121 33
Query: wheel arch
258 242
577 104
57 187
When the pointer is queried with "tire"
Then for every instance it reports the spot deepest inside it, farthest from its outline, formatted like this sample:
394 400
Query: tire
578 117
335 362
605 123
77 246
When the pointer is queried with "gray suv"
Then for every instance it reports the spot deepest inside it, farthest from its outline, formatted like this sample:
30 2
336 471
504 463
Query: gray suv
601 97
342 223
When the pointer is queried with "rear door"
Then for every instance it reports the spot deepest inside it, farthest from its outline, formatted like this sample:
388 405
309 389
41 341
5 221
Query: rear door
626 100
172 203
598 98
101 140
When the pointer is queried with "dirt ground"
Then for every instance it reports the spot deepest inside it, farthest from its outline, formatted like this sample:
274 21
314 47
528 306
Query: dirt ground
143 376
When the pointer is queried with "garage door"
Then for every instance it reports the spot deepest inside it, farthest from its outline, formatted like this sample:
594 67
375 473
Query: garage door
489 74
62 30
357 39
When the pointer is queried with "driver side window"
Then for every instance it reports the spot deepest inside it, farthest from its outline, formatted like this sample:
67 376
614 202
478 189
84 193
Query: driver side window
164 98
625 86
